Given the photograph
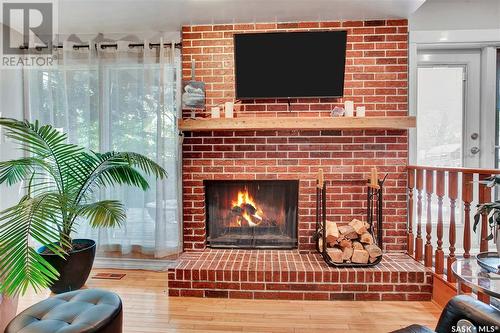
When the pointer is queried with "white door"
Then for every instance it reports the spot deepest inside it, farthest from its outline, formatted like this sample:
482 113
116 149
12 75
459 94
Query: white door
448 120
448 108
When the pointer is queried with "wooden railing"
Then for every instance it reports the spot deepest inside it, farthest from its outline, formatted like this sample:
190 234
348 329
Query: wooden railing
444 186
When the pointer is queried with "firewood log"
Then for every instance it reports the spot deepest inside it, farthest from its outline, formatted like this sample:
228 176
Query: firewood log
237 210
358 226
357 245
347 253
372 260
335 254
344 242
250 209
360 256
373 250
254 219
332 232
348 232
366 238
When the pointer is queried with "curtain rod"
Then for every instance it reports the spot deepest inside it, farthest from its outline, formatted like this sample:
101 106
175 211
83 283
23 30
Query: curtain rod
103 46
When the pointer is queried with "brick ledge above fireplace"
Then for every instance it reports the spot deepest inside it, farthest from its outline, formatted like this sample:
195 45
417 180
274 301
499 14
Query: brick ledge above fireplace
288 274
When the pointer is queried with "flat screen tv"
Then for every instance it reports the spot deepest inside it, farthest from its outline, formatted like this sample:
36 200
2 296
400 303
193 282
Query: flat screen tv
290 64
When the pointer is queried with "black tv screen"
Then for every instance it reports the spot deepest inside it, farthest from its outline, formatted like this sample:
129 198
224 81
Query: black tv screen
290 64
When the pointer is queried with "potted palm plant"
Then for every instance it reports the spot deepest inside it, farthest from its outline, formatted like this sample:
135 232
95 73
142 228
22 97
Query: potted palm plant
62 182
492 210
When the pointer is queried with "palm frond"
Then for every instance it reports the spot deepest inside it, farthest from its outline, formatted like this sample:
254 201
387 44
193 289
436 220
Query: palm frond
106 213
14 171
123 175
43 142
147 165
21 265
116 168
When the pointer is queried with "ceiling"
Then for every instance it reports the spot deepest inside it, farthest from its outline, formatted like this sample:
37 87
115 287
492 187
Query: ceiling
118 16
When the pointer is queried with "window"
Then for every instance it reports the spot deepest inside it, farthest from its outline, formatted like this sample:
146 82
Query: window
120 107
440 110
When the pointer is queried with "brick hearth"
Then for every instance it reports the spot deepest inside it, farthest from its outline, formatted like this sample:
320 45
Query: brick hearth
267 274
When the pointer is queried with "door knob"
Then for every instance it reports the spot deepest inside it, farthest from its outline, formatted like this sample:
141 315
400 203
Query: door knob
474 136
474 150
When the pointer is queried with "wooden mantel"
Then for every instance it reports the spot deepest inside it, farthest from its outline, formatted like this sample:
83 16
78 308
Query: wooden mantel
295 123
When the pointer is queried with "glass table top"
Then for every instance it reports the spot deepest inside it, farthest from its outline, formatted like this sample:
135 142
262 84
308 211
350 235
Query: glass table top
469 272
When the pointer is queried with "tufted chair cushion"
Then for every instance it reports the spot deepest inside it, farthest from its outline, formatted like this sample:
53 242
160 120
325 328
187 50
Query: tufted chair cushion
81 311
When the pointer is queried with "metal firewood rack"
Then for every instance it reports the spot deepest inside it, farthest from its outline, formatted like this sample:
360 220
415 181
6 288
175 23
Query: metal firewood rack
374 213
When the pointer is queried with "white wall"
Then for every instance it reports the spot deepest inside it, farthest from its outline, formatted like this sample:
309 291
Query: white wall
456 15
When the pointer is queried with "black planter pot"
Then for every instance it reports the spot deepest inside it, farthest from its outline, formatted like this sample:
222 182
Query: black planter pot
74 269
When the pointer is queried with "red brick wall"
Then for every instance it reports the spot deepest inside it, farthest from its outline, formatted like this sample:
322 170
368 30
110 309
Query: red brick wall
376 77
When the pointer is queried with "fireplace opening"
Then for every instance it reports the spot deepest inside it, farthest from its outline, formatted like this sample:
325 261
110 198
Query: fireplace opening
251 213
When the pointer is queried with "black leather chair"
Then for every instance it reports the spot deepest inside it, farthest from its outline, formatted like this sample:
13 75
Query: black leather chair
460 311
81 311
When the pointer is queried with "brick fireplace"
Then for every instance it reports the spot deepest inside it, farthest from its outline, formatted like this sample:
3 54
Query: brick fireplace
376 77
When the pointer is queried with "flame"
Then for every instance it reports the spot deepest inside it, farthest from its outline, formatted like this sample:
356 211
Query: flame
245 198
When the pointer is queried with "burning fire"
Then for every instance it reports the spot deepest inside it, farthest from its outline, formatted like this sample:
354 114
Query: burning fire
247 210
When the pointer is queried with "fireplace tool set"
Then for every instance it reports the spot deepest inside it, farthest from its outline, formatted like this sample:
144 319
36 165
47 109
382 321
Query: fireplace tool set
373 225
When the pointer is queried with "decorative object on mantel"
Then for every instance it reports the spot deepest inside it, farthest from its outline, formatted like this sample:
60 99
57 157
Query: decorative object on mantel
351 245
337 112
215 111
349 108
193 92
229 109
360 111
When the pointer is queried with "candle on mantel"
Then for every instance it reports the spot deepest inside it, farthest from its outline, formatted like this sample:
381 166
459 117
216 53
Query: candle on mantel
215 112
349 108
374 177
360 111
229 109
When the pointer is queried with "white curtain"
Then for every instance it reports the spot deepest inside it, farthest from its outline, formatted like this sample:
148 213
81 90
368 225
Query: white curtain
120 98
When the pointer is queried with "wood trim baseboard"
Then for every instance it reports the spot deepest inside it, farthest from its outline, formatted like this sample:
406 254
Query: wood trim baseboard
442 290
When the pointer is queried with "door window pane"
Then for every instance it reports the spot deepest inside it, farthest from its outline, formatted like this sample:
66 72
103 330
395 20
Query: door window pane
440 110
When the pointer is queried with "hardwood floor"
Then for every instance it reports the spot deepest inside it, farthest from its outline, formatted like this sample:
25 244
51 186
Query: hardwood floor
148 309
